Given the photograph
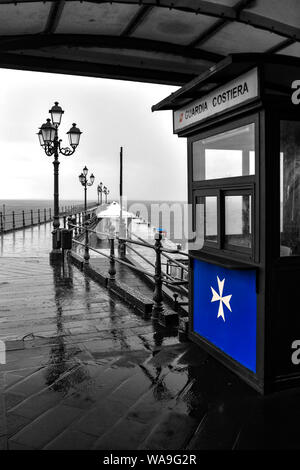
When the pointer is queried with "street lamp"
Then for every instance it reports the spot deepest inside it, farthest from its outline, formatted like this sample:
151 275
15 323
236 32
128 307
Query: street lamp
99 191
84 181
49 141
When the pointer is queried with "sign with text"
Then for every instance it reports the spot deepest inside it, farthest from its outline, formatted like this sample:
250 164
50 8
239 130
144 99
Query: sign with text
234 93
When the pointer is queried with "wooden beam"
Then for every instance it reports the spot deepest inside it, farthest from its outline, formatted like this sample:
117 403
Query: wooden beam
216 27
208 33
138 18
37 41
73 67
280 46
54 16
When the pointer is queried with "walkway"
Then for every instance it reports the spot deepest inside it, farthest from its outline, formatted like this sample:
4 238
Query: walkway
84 371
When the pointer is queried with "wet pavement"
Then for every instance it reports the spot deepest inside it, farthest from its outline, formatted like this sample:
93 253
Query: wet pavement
31 242
85 371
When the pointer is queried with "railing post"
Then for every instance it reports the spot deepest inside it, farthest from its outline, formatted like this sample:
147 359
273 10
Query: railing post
122 241
31 216
75 222
65 219
50 217
39 216
158 293
1 222
23 217
13 220
86 243
81 222
112 263
45 215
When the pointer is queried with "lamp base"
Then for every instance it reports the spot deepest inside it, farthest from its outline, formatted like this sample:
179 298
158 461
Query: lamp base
55 256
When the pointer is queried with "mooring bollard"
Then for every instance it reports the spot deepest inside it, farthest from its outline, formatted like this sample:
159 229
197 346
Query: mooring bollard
23 217
112 263
158 294
13 220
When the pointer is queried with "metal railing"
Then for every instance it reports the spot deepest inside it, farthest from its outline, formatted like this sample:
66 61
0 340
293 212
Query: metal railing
19 219
159 277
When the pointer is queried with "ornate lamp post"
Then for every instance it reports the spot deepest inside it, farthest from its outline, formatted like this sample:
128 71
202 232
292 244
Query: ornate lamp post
99 191
50 142
84 181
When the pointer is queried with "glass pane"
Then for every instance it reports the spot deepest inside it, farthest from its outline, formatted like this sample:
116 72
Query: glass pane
225 155
289 188
207 218
238 220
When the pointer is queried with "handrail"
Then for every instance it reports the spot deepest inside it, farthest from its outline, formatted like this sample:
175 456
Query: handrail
116 259
142 256
129 240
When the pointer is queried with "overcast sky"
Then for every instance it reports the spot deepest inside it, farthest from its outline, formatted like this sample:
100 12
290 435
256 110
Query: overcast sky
110 113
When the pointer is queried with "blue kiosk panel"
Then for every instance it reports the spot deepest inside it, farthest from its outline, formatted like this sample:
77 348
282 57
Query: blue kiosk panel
225 310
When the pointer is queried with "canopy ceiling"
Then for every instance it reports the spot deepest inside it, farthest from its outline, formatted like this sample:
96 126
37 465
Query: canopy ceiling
157 41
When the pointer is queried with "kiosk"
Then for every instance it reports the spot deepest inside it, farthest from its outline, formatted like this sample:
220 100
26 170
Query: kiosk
242 123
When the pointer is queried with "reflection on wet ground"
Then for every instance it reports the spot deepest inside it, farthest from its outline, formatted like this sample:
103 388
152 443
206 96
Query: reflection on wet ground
84 371
30 242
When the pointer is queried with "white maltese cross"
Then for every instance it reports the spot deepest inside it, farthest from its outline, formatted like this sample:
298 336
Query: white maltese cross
219 297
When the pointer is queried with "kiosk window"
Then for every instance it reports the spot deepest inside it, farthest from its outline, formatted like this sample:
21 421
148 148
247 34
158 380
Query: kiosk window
238 220
229 154
207 218
289 188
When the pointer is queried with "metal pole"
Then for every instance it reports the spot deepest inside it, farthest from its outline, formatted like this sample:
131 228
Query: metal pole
1 222
31 216
4 216
112 263
23 217
86 246
13 220
45 215
55 232
158 294
77 221
122 243
39 216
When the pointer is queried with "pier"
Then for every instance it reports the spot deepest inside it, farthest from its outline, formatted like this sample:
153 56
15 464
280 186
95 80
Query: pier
84 370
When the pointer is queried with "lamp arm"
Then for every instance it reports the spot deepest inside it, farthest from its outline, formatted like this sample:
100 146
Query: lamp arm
65 150
49 150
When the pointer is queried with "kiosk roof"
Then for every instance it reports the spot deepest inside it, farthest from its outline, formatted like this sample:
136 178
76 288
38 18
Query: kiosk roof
226 70
159 41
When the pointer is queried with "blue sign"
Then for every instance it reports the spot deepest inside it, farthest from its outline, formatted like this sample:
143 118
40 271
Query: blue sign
225 310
